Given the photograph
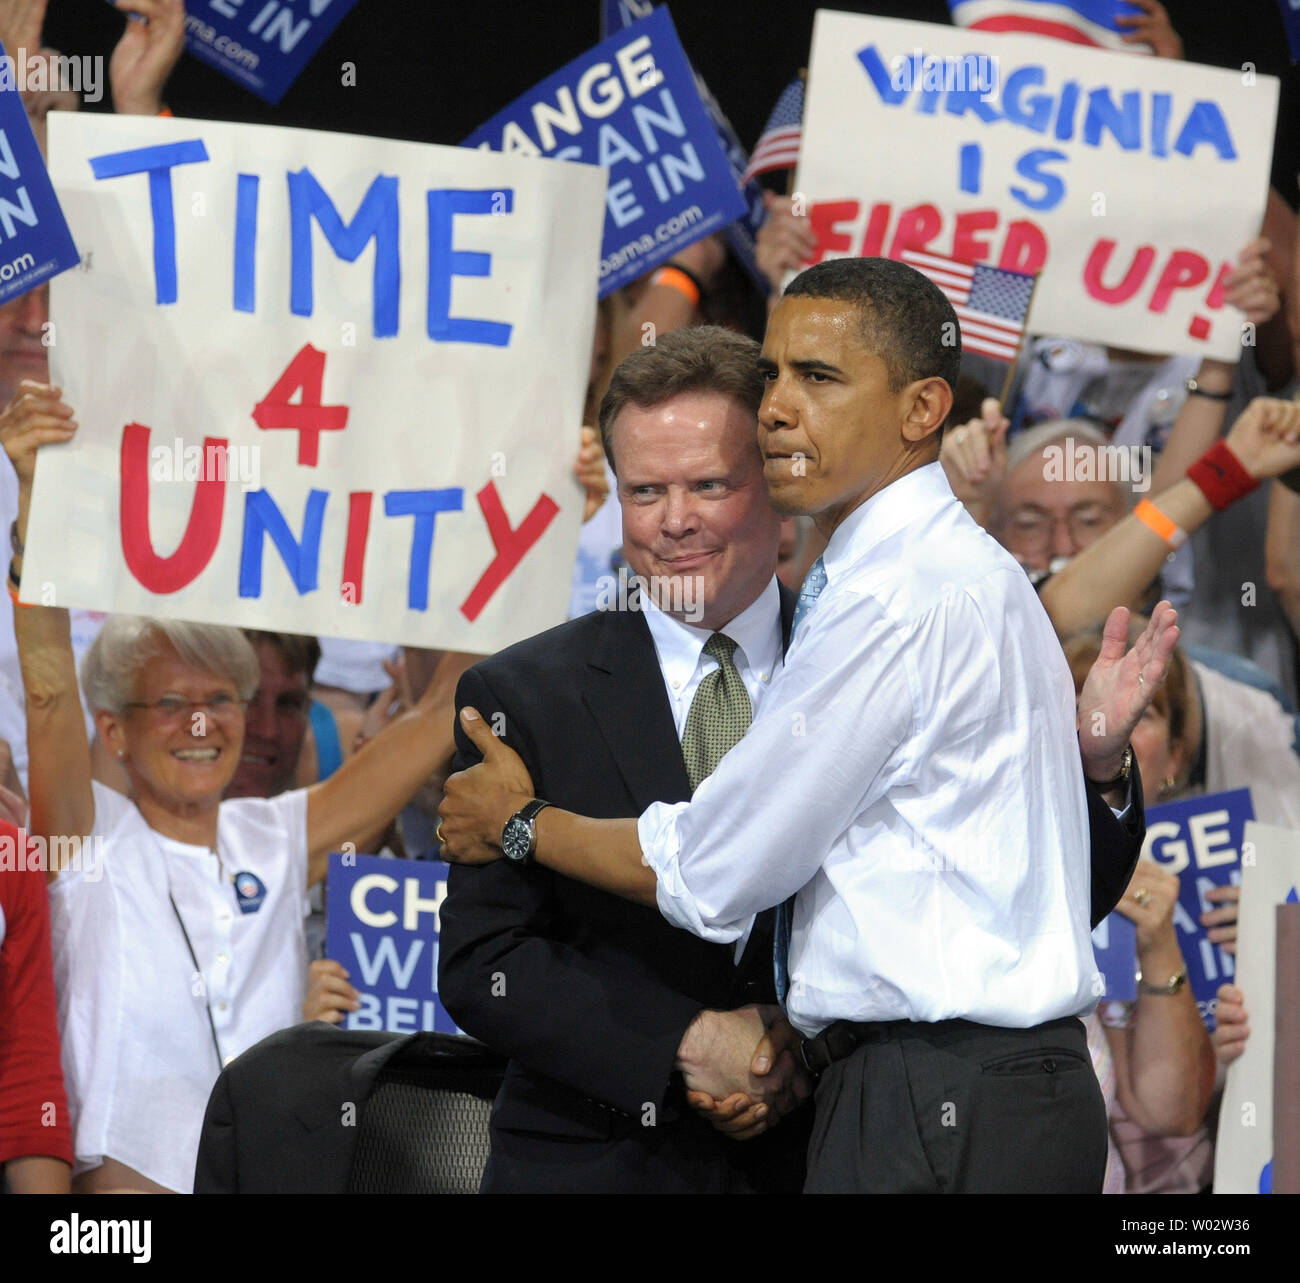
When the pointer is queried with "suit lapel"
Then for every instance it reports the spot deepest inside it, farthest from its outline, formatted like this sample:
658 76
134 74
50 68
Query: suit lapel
625 695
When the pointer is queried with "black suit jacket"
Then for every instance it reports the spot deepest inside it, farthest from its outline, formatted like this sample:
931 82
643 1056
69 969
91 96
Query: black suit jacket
589 995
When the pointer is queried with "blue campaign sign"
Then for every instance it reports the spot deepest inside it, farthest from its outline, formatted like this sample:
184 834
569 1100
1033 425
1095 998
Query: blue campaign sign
381 923
1201 840
261 44
1291 21
1114 945
630 105
35 242
740 234
617 14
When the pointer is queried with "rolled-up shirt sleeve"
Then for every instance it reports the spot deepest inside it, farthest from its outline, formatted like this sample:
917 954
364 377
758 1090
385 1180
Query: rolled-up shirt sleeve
832 736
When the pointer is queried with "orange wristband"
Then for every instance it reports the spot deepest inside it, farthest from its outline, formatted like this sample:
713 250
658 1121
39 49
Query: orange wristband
13 596
676 279
1156 521
165 111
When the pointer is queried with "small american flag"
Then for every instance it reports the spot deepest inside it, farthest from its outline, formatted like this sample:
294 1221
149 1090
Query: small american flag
778 147
990 303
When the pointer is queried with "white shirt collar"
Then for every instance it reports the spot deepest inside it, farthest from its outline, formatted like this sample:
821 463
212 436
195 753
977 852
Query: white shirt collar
756 632
888 510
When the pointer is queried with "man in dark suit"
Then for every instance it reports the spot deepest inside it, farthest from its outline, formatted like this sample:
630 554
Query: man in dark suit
608 1014
599 1003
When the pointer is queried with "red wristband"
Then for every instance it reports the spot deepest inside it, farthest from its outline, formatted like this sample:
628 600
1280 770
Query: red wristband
1220 476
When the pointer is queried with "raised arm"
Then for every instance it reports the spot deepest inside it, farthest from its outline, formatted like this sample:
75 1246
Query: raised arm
1122 564
364 794
1164 1061
58 752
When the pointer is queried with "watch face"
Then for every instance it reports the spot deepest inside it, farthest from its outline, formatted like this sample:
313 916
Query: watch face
516 839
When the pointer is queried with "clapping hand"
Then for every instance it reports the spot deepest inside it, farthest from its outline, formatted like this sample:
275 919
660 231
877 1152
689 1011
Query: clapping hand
1121 685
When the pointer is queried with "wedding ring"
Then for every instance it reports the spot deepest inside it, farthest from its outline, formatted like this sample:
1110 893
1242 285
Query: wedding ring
1142 681
438 832
960 435
1142 896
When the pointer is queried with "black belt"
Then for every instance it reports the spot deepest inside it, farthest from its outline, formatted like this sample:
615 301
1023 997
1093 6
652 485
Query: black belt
844 1037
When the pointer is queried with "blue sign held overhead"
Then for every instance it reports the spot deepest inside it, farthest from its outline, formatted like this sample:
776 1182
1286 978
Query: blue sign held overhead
35 242
381 924
742 233
1201 840
262 45
630 105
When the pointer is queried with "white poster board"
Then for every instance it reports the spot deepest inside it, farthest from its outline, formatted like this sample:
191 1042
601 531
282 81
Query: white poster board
326 384
1129 183
1271 876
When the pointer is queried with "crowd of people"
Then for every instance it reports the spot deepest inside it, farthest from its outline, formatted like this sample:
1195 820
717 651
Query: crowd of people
952 816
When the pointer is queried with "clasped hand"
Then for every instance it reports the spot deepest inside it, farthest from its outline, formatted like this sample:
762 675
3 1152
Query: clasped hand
742 1069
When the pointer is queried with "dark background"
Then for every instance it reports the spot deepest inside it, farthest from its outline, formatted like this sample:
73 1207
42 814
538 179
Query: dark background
433 71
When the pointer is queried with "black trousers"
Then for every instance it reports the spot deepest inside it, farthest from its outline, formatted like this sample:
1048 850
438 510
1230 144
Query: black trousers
961 1108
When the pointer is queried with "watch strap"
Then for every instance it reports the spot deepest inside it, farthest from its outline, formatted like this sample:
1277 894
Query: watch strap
1125 772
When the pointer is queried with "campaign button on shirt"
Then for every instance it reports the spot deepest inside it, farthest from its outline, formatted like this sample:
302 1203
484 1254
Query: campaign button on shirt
250 891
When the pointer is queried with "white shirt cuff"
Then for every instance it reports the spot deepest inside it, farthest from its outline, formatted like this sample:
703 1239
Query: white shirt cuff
660 846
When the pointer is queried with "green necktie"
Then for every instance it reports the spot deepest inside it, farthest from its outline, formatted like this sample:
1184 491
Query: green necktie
720 712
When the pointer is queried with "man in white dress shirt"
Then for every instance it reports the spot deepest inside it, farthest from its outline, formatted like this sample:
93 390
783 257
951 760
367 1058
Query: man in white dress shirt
911 780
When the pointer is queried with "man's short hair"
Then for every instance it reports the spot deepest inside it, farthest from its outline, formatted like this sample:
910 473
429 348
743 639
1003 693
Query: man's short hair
300 652
906 320
703 358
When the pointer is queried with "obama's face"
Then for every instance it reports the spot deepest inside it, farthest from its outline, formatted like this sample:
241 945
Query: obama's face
833 430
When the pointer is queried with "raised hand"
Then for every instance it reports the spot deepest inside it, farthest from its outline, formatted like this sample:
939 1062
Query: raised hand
329 995
785 242
1251 286
590 471
146 54
477 802
1151 27
974 457
1121 685
20 26
1231 1024
1266 437
1222 922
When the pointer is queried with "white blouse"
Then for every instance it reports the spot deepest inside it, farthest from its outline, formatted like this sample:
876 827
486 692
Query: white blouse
140 1055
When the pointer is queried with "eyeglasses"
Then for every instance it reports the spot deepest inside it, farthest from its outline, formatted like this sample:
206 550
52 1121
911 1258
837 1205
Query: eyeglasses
1032 528
172 708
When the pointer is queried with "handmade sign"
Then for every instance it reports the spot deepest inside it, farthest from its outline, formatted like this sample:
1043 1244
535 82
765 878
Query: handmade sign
1243 1157
1129 183
631 105
381 925
326 384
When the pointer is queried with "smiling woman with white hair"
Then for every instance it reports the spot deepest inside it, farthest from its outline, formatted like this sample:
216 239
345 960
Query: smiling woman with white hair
177 927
